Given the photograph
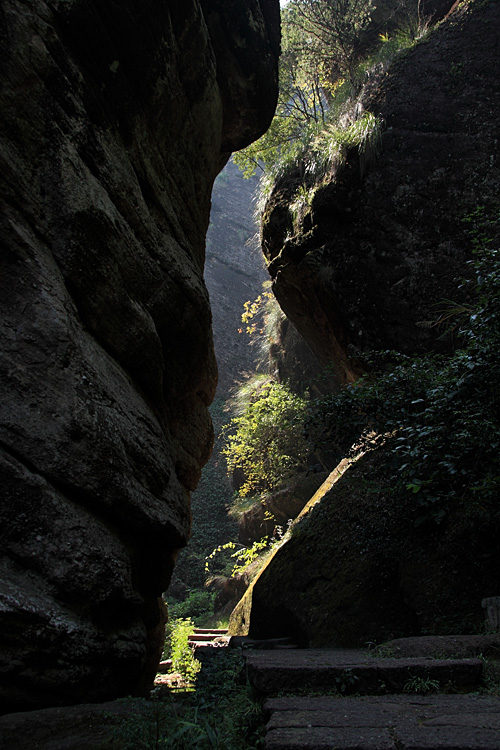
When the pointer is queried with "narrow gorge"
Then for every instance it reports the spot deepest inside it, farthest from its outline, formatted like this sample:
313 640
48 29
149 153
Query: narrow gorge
118 310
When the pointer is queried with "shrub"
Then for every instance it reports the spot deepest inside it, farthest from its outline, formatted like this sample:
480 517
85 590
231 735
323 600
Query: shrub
178 649
267 440
198 606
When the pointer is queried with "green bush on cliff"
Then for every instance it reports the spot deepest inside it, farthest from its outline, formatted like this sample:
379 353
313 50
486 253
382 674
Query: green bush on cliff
319 38
267 442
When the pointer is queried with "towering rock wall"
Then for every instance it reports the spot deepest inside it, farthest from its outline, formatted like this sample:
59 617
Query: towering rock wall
384 241
376 250
115 118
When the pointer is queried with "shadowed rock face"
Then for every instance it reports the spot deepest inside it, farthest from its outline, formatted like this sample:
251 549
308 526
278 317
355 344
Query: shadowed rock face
115 118
384 242
374 254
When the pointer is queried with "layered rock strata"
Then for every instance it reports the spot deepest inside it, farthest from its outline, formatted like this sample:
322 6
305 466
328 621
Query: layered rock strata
115 119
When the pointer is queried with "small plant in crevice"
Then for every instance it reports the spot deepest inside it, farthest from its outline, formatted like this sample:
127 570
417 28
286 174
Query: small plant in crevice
346 682
421 685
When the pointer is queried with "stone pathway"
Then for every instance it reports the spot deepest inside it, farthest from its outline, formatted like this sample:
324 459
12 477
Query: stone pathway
384 711
380 716
353 671
391 722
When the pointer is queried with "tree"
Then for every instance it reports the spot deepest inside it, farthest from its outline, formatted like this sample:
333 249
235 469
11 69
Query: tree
330 31
268 442
319 40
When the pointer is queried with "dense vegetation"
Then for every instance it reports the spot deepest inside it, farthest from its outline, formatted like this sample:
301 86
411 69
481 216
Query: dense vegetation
330 49
220 714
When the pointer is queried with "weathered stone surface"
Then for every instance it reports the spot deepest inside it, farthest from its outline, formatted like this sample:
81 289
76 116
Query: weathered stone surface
385 241
278 508
83 727
353 671
356 569
445 646
402 722
114 122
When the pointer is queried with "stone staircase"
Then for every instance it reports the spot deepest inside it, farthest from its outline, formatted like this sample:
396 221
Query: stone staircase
208 638
385 713
343 699
390 722
346 671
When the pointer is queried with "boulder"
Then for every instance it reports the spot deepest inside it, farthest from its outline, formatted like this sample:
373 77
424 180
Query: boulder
356 569
115 119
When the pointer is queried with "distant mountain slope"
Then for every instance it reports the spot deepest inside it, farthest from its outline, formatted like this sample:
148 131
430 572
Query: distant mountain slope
234 271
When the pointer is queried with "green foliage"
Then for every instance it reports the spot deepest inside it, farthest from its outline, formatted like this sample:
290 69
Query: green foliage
301 106
443 413
240 557
198 605
329 32
321 75
400 40
266 441
335 140
318 40
178 649
219 715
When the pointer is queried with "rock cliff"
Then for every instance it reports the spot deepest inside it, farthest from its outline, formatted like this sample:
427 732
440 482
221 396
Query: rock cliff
383 242
378 247
115 119
357 570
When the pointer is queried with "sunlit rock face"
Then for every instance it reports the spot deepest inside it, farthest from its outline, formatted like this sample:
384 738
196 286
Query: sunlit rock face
115 119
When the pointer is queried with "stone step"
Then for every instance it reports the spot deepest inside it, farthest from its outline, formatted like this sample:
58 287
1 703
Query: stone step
346 671
210 631
207 639
202 637
244 642
164 667
395 722
222 643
